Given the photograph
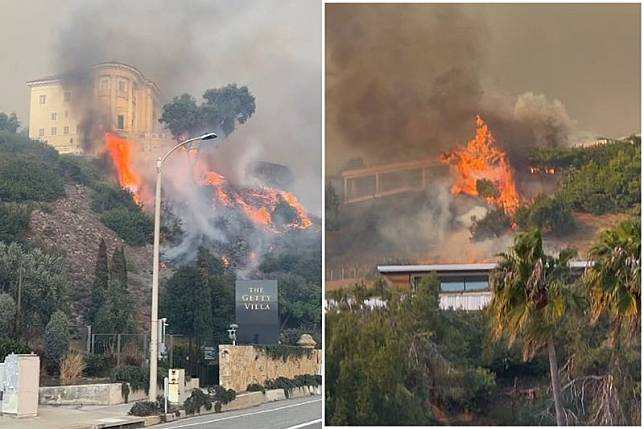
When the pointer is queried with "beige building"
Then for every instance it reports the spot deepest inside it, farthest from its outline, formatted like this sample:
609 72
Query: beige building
73 112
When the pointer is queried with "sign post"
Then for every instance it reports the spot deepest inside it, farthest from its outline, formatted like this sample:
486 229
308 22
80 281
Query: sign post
256 311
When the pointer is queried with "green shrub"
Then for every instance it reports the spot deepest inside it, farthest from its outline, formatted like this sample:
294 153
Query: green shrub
7 314
14 221
79 169
283 352
135 227
107 196
137 376
220 394
547 213
98 365
56 337
26 179
254 387
196 400
494 224
8 346
145 408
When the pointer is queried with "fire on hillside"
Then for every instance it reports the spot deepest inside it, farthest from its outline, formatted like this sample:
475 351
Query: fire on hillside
262 205
481 160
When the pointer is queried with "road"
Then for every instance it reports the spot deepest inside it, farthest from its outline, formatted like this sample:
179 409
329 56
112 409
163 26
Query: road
302 413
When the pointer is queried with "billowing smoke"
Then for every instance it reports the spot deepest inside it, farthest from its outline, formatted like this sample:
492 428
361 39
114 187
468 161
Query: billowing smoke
404 83
273 48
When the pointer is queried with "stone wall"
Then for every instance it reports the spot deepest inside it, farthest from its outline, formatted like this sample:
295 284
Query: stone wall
240 366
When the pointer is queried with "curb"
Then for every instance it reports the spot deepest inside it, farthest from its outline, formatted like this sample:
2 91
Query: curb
244 400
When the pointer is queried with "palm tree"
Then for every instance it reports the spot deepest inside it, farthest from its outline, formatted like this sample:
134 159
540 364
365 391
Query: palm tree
614 280
531 296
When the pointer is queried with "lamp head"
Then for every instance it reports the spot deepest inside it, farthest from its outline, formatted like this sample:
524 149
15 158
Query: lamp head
208 136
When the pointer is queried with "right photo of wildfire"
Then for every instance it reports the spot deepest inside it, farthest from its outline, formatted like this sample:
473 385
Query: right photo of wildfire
482 214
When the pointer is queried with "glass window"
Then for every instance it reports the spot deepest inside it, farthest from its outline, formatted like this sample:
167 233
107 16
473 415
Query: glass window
122 86
41 132
476 284
53 131
66 130
120 122
105 82
43 99
456 284
54 116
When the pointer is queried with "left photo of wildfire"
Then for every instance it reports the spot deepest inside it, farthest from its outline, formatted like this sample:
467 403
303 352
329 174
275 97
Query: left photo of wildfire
160 213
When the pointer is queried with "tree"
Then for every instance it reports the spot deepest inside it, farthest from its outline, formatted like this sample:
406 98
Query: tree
116 314
547 213
9 122
118 270
56 337
222 109
39 278
614 280
101 279
331 208
299 302
530 297
7 315
494 224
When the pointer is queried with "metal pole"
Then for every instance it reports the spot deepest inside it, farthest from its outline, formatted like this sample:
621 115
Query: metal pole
154 314
118 349
155 290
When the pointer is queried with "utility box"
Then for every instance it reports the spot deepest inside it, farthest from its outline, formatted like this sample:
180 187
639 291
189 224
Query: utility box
176 383
19 385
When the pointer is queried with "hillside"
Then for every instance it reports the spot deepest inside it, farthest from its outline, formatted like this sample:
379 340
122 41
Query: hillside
571 194
70 226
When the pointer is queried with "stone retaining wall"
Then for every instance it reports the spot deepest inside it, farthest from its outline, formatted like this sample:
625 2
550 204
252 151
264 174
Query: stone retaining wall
240 366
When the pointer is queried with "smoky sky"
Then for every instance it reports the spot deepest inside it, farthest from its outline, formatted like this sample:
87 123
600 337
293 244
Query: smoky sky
405 81
273 47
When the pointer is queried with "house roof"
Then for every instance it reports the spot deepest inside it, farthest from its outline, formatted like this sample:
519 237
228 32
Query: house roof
455 268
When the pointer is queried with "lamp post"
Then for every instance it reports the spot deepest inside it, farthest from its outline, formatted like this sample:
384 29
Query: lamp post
154 343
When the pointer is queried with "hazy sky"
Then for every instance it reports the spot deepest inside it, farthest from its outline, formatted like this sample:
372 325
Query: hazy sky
406 78
587 56
272 46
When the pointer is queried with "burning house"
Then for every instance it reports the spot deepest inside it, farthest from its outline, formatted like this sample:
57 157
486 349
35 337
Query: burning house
73 110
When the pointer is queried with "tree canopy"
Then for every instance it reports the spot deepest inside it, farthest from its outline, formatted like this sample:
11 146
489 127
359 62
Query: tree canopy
221 111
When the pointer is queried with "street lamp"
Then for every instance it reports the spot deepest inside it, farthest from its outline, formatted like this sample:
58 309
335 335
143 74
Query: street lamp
155 266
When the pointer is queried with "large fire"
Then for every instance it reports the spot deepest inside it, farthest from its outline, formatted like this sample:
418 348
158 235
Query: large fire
482 161
260 205
120 152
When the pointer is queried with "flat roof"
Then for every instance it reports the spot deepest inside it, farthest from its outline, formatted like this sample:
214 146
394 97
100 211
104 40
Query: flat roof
430 268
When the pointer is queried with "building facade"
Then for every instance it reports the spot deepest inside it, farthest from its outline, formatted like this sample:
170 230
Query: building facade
462 286
69 112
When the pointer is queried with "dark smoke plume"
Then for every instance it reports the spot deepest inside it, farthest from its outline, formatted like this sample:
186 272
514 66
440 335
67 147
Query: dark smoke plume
403 83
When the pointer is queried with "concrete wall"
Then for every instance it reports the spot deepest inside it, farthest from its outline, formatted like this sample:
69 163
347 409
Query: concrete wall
240 366
87 394
97 394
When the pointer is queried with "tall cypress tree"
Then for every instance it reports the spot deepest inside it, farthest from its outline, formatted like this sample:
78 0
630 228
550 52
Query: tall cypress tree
101 279
202 322
118 271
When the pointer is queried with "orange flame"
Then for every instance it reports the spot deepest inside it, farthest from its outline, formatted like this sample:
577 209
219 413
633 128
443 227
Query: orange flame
120 152
257 204
482 159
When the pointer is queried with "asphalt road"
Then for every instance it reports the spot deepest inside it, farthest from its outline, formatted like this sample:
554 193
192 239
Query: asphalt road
301 413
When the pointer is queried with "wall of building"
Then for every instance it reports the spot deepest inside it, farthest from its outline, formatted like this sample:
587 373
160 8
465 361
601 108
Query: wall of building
60 131
123 100
240 366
